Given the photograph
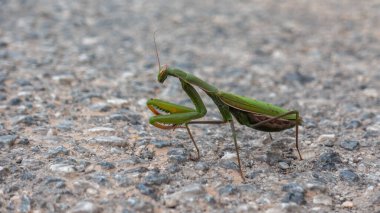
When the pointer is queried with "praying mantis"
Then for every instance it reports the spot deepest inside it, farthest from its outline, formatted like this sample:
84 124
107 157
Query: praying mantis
250 112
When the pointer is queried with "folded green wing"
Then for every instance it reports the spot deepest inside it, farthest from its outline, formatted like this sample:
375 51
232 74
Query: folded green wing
252 105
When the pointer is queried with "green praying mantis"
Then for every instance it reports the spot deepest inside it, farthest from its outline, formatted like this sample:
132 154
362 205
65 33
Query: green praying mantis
252 113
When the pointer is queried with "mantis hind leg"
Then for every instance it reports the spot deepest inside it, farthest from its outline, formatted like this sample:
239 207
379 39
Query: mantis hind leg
298 150
237 148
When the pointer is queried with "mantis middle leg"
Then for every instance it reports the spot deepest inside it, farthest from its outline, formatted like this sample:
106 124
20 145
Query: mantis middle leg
233 137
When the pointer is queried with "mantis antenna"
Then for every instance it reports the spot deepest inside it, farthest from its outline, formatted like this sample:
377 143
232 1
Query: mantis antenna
155 45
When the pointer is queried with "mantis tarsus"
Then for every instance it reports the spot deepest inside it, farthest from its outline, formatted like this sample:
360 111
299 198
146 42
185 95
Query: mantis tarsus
253 113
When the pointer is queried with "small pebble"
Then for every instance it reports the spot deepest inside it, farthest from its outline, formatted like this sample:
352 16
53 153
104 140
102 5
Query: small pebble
118 102
272 158
100 178
15 101
118 117
65 125
147 190
328 161
322 199
283 165
54 182
349 145
316 186
85 207
100 107
123 180
293 187
249 207
26 175
147 154
3 97
7 140
295 197
347 204
28 120
254 174
192 190
64 79
3 172
26 204
285 207
106 165
327 139
138 170
171 203
64 168
57 151
109 141
348 176
24 141
373 130
228 164
172 168
229 156
101 130
156 178
202 166
139 205
51 132
18 159
299 77
178 155
353 124
161 144
376 199
370 93
362 168
228 190
210 199
187 193
90 41
296 193
32 164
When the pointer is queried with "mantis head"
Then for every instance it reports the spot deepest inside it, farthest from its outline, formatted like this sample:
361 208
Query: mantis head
162 73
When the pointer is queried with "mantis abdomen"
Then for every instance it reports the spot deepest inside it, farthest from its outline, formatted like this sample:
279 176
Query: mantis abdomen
250 119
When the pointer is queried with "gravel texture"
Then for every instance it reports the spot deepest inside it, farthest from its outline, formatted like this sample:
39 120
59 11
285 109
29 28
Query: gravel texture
75 77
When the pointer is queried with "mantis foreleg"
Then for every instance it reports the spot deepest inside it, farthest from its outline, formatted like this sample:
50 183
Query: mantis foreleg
178 115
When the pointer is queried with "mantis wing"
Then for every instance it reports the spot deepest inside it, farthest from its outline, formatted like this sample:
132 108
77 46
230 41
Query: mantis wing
254 106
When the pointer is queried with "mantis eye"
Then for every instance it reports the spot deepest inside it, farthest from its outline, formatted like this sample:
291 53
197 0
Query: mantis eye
163 69
162 73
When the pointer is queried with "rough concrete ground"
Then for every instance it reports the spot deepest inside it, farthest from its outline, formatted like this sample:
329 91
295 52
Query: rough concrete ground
75 77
